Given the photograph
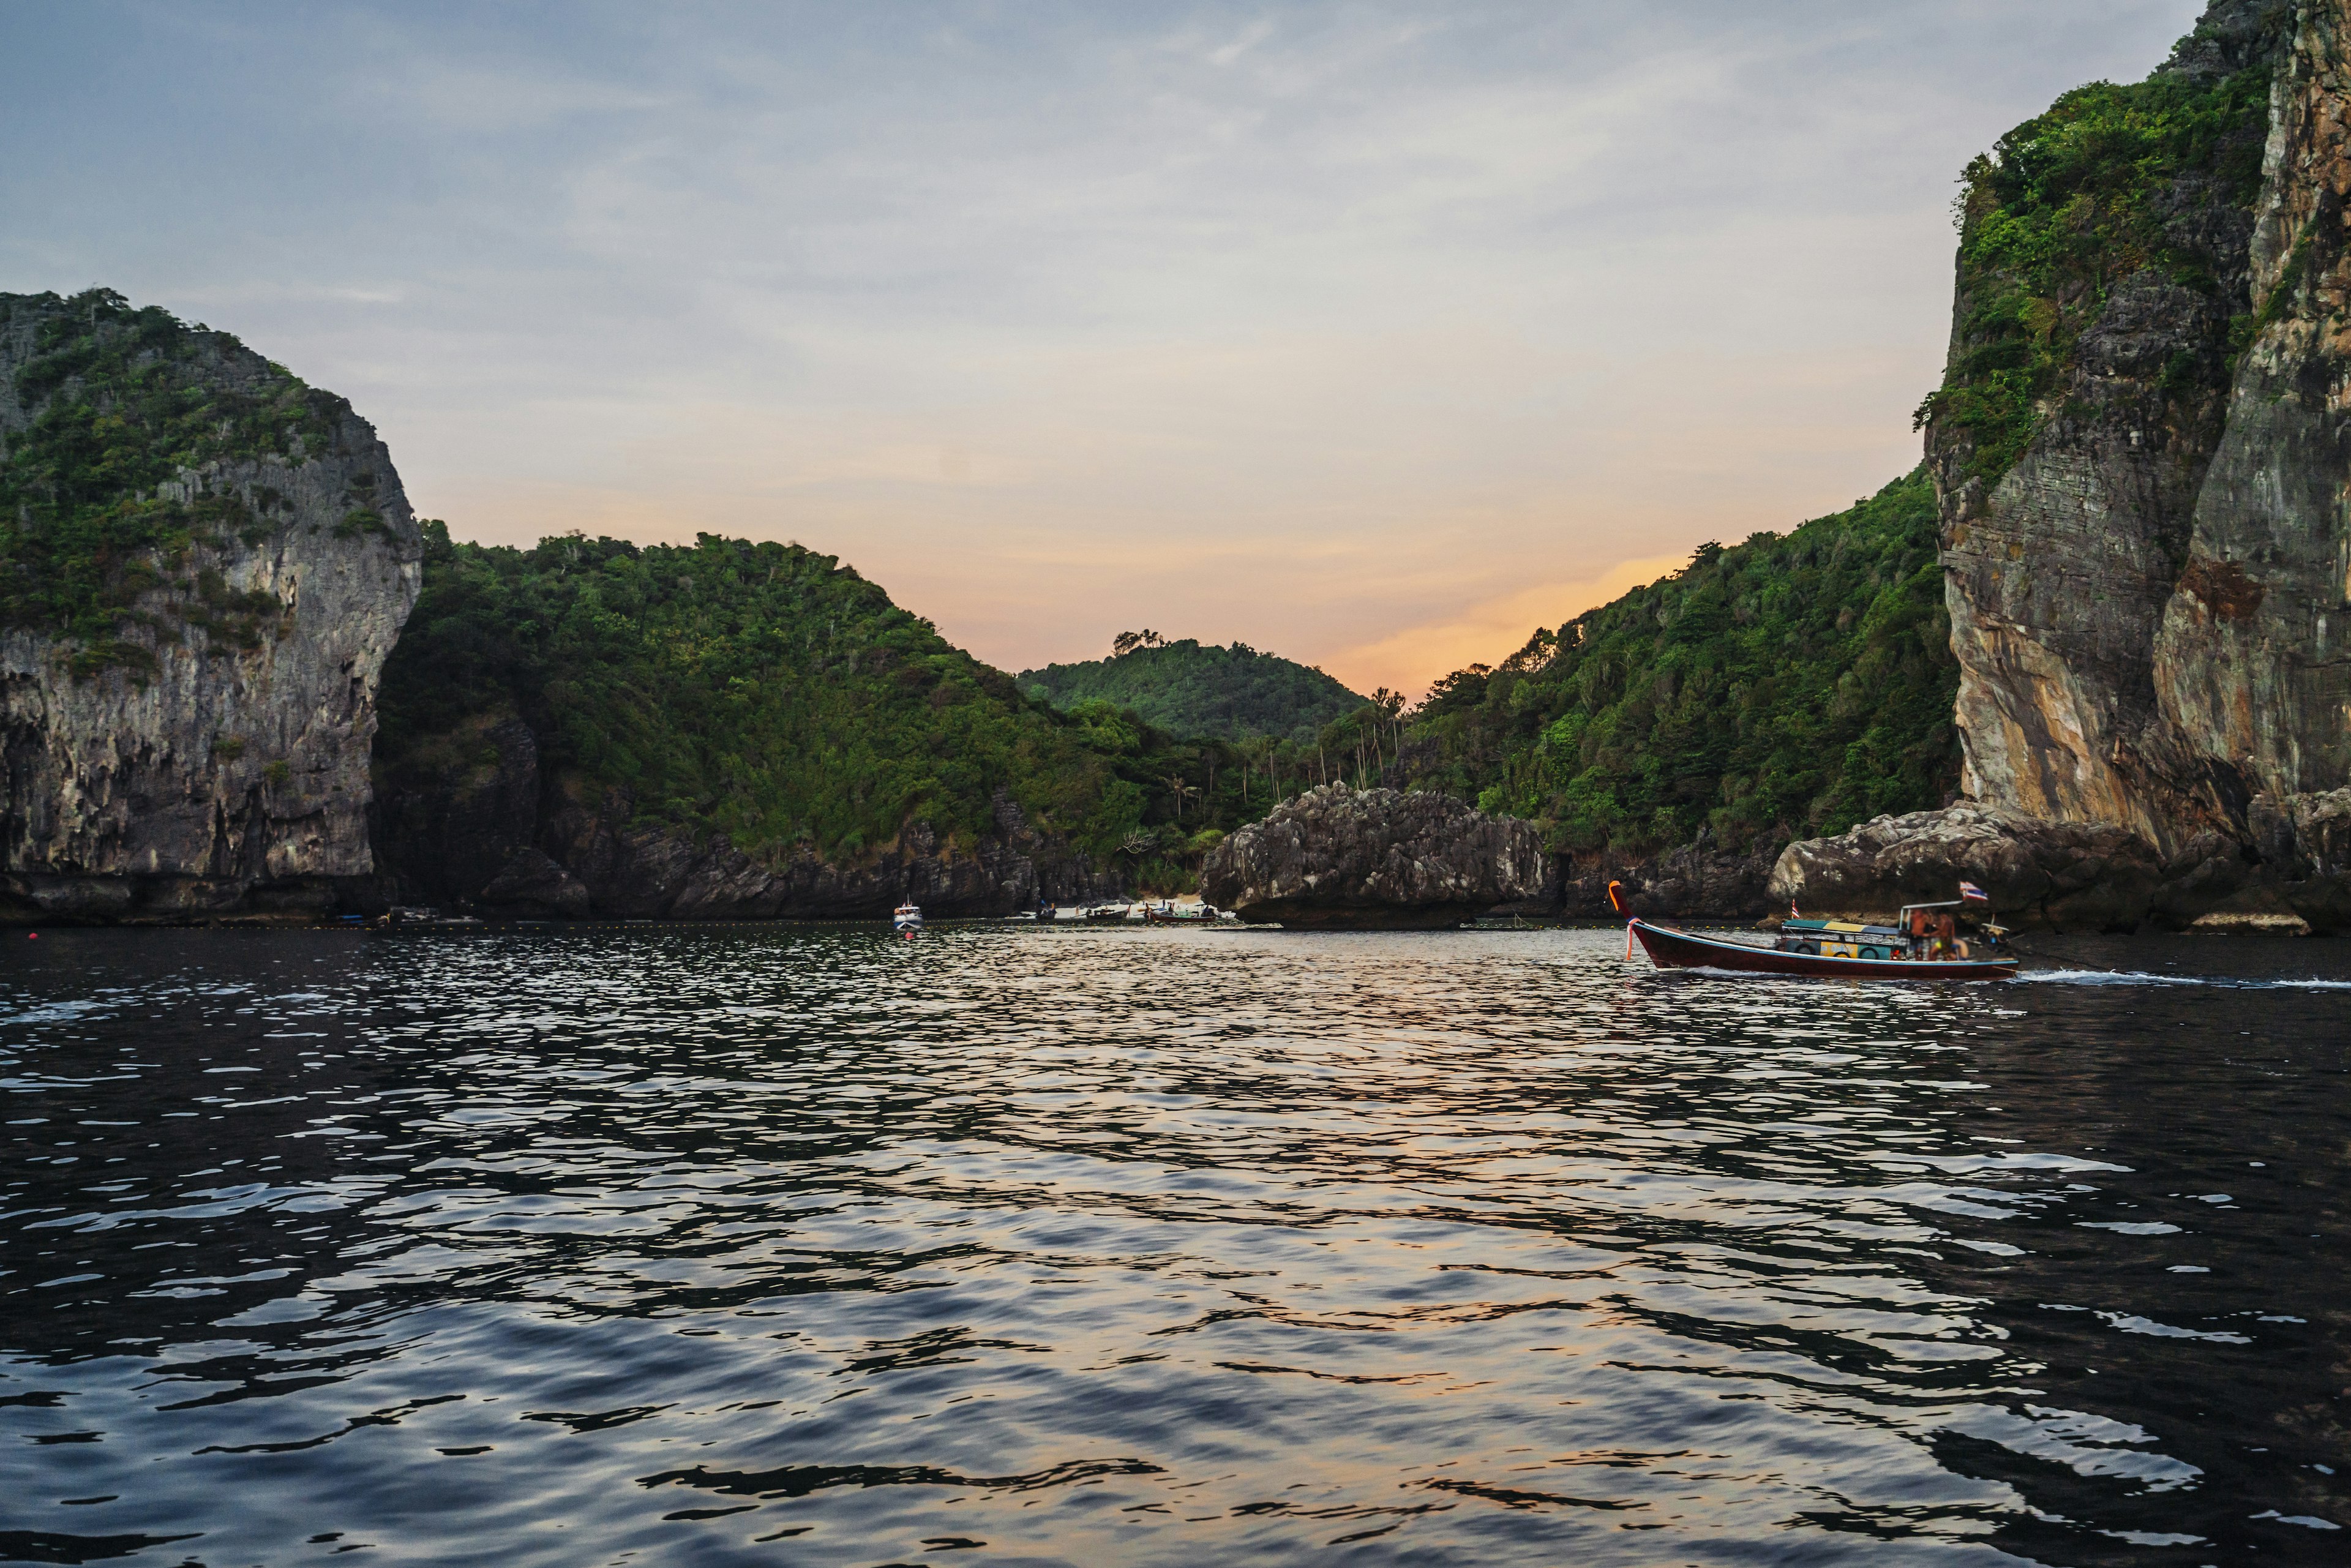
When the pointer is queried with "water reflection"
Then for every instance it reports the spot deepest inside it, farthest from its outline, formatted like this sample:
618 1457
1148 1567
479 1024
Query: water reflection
1161 1247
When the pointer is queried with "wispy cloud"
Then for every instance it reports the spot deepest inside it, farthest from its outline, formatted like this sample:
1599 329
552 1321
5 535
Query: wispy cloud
473 98
1250 38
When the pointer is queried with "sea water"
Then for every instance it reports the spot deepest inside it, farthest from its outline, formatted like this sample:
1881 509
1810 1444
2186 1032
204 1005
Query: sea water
1024 1244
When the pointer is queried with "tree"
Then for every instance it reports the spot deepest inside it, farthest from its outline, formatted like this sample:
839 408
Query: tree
1126 643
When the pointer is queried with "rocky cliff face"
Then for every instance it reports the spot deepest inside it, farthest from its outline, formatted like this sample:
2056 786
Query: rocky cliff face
2148 593
1336 858
212 561
2061 565
2252 663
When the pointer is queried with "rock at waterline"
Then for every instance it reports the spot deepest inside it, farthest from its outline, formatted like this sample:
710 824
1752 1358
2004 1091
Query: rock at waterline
2291 879
2067 875
1337 859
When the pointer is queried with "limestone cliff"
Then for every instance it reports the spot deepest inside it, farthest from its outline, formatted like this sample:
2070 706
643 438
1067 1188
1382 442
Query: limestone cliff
206 563
2143 459
2247 664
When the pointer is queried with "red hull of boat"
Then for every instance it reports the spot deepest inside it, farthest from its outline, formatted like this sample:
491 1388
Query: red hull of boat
1670 949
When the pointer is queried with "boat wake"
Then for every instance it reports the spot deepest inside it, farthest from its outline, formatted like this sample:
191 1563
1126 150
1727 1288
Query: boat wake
2054 978
2142 978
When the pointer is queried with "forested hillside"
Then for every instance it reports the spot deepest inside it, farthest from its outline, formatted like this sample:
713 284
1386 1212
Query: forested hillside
1231 692
1785 688
769 693
759 689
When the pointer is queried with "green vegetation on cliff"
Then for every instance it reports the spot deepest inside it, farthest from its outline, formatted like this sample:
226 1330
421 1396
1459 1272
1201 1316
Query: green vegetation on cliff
1789 686
1231 692
2066 206
105 405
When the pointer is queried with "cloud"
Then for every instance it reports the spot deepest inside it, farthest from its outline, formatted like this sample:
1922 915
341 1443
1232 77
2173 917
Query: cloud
1250 38
475 99
261 292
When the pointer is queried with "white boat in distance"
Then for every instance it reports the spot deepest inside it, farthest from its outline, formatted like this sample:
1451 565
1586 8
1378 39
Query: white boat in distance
906 917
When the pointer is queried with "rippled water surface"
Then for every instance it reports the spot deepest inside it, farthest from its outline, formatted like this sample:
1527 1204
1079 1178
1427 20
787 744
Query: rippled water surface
806 1246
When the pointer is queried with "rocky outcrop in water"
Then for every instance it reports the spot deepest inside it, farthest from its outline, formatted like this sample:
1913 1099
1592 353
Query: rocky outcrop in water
196 744
2294 876
469 822
2080 876
1340 859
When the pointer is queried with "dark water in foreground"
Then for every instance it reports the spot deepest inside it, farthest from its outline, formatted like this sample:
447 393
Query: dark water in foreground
1172 1246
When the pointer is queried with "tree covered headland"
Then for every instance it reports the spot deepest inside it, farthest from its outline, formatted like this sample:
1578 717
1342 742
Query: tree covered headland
1233 693
1782 688
760 689
117 413
770 693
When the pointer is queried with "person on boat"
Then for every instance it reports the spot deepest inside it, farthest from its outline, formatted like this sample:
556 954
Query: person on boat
1918 944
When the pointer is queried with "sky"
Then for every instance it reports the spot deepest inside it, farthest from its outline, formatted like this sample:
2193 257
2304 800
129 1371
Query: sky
1375 334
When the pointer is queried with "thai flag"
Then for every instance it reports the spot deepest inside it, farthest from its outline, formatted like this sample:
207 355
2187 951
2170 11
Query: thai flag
1971 894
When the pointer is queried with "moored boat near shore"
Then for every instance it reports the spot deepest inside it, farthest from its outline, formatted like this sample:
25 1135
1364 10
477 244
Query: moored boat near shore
1170 914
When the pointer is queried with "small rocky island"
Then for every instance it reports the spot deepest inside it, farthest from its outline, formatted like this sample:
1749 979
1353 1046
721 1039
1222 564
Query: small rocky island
1336 859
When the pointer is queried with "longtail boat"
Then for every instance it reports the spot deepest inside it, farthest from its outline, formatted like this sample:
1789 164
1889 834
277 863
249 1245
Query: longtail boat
1926 942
